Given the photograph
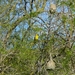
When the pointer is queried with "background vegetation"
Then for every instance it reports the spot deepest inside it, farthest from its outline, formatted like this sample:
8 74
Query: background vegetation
20 21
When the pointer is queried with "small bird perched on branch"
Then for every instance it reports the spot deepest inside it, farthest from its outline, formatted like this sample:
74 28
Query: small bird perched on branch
36 38
51 63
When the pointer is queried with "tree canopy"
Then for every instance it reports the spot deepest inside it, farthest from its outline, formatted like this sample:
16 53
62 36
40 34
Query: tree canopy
52 22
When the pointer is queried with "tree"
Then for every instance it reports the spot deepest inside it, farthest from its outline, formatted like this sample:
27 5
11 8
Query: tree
20 21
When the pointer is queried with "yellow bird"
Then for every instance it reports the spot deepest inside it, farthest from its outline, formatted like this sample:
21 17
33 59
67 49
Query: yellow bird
36 38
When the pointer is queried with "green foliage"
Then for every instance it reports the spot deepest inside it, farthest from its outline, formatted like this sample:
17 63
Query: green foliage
19 55
64 18
74 21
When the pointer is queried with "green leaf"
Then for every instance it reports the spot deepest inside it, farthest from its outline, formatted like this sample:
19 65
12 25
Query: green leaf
64 18
74 21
